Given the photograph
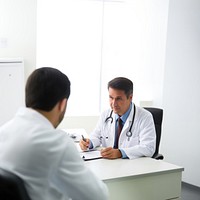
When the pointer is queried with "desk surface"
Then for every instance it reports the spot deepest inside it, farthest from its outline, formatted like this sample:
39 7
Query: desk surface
119 168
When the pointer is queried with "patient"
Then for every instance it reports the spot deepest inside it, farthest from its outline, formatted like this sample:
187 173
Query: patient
43 156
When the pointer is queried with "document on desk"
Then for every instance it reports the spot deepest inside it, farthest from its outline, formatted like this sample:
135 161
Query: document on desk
90 155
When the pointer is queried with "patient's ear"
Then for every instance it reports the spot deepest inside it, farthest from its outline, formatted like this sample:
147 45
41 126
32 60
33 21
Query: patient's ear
62 104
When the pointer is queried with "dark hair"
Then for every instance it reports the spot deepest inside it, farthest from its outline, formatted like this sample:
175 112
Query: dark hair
45 87
121 83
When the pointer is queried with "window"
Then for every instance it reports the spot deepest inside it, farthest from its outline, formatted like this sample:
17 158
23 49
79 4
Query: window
93 41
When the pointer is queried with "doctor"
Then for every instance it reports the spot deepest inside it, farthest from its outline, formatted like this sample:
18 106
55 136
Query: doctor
137 137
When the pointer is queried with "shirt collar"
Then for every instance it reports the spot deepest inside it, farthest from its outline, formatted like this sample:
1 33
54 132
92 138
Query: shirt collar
125 115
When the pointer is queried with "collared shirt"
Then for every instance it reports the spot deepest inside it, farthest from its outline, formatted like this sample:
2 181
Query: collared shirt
123 118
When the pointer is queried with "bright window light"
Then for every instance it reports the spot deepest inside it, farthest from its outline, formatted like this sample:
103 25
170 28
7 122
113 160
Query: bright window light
93 41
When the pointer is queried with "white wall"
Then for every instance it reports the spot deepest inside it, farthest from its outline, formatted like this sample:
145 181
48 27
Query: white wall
181 127
18 31
76 122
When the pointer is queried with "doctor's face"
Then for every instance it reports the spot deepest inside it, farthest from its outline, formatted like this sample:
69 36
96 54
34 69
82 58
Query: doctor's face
119 102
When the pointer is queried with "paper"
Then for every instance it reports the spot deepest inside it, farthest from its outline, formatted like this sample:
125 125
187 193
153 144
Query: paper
90 155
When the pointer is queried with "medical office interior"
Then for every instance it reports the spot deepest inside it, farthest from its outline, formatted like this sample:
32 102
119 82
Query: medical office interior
155 43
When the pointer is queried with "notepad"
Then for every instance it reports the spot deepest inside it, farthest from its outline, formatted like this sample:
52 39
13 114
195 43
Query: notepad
90 155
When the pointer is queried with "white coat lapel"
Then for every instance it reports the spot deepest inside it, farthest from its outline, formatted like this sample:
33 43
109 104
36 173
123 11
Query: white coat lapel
123 135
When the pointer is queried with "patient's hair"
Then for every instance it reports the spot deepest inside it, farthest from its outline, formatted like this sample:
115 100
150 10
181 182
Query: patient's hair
45 87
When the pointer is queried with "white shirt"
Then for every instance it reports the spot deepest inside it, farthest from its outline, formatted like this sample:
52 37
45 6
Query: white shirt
142 141
47 160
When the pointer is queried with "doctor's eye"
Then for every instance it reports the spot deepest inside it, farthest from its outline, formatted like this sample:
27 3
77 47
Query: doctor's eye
119 98
110 97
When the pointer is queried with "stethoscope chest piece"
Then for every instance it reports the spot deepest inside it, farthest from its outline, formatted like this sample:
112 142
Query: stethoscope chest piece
129 134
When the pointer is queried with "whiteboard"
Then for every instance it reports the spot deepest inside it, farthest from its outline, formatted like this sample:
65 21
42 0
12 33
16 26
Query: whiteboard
11 87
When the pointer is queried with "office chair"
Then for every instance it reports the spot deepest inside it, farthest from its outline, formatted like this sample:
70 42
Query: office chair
12 187
157 117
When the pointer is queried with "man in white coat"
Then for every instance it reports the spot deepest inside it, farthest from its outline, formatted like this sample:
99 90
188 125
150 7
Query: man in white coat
136 137
44 157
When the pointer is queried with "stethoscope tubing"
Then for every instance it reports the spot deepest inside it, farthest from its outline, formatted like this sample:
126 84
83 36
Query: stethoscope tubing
129 133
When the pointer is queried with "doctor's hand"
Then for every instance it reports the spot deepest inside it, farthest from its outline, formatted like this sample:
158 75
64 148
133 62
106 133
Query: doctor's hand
111 153
84 144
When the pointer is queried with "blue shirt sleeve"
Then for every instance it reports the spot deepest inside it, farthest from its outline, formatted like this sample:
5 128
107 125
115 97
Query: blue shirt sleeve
123 154
90 145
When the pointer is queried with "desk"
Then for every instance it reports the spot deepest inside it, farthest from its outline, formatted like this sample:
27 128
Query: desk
139 179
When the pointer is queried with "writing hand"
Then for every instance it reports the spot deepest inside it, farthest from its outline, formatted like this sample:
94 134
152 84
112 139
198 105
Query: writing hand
84 143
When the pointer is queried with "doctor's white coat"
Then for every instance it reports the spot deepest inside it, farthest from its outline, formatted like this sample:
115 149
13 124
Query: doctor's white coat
142 141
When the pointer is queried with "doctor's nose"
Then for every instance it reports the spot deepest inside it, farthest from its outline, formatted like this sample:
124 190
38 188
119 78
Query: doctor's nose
114 102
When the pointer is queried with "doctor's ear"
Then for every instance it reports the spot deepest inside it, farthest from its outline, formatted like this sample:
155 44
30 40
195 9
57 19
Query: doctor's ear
131 97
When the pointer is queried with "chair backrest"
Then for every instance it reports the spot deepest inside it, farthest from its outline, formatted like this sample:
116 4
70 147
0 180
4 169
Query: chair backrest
12 187
157 117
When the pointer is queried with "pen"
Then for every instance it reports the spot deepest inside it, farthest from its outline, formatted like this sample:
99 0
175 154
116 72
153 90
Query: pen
83 138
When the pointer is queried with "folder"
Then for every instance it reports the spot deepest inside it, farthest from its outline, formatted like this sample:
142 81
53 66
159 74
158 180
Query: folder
90 155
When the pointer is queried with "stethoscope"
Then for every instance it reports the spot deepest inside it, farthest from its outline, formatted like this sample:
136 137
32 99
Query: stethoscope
129 133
